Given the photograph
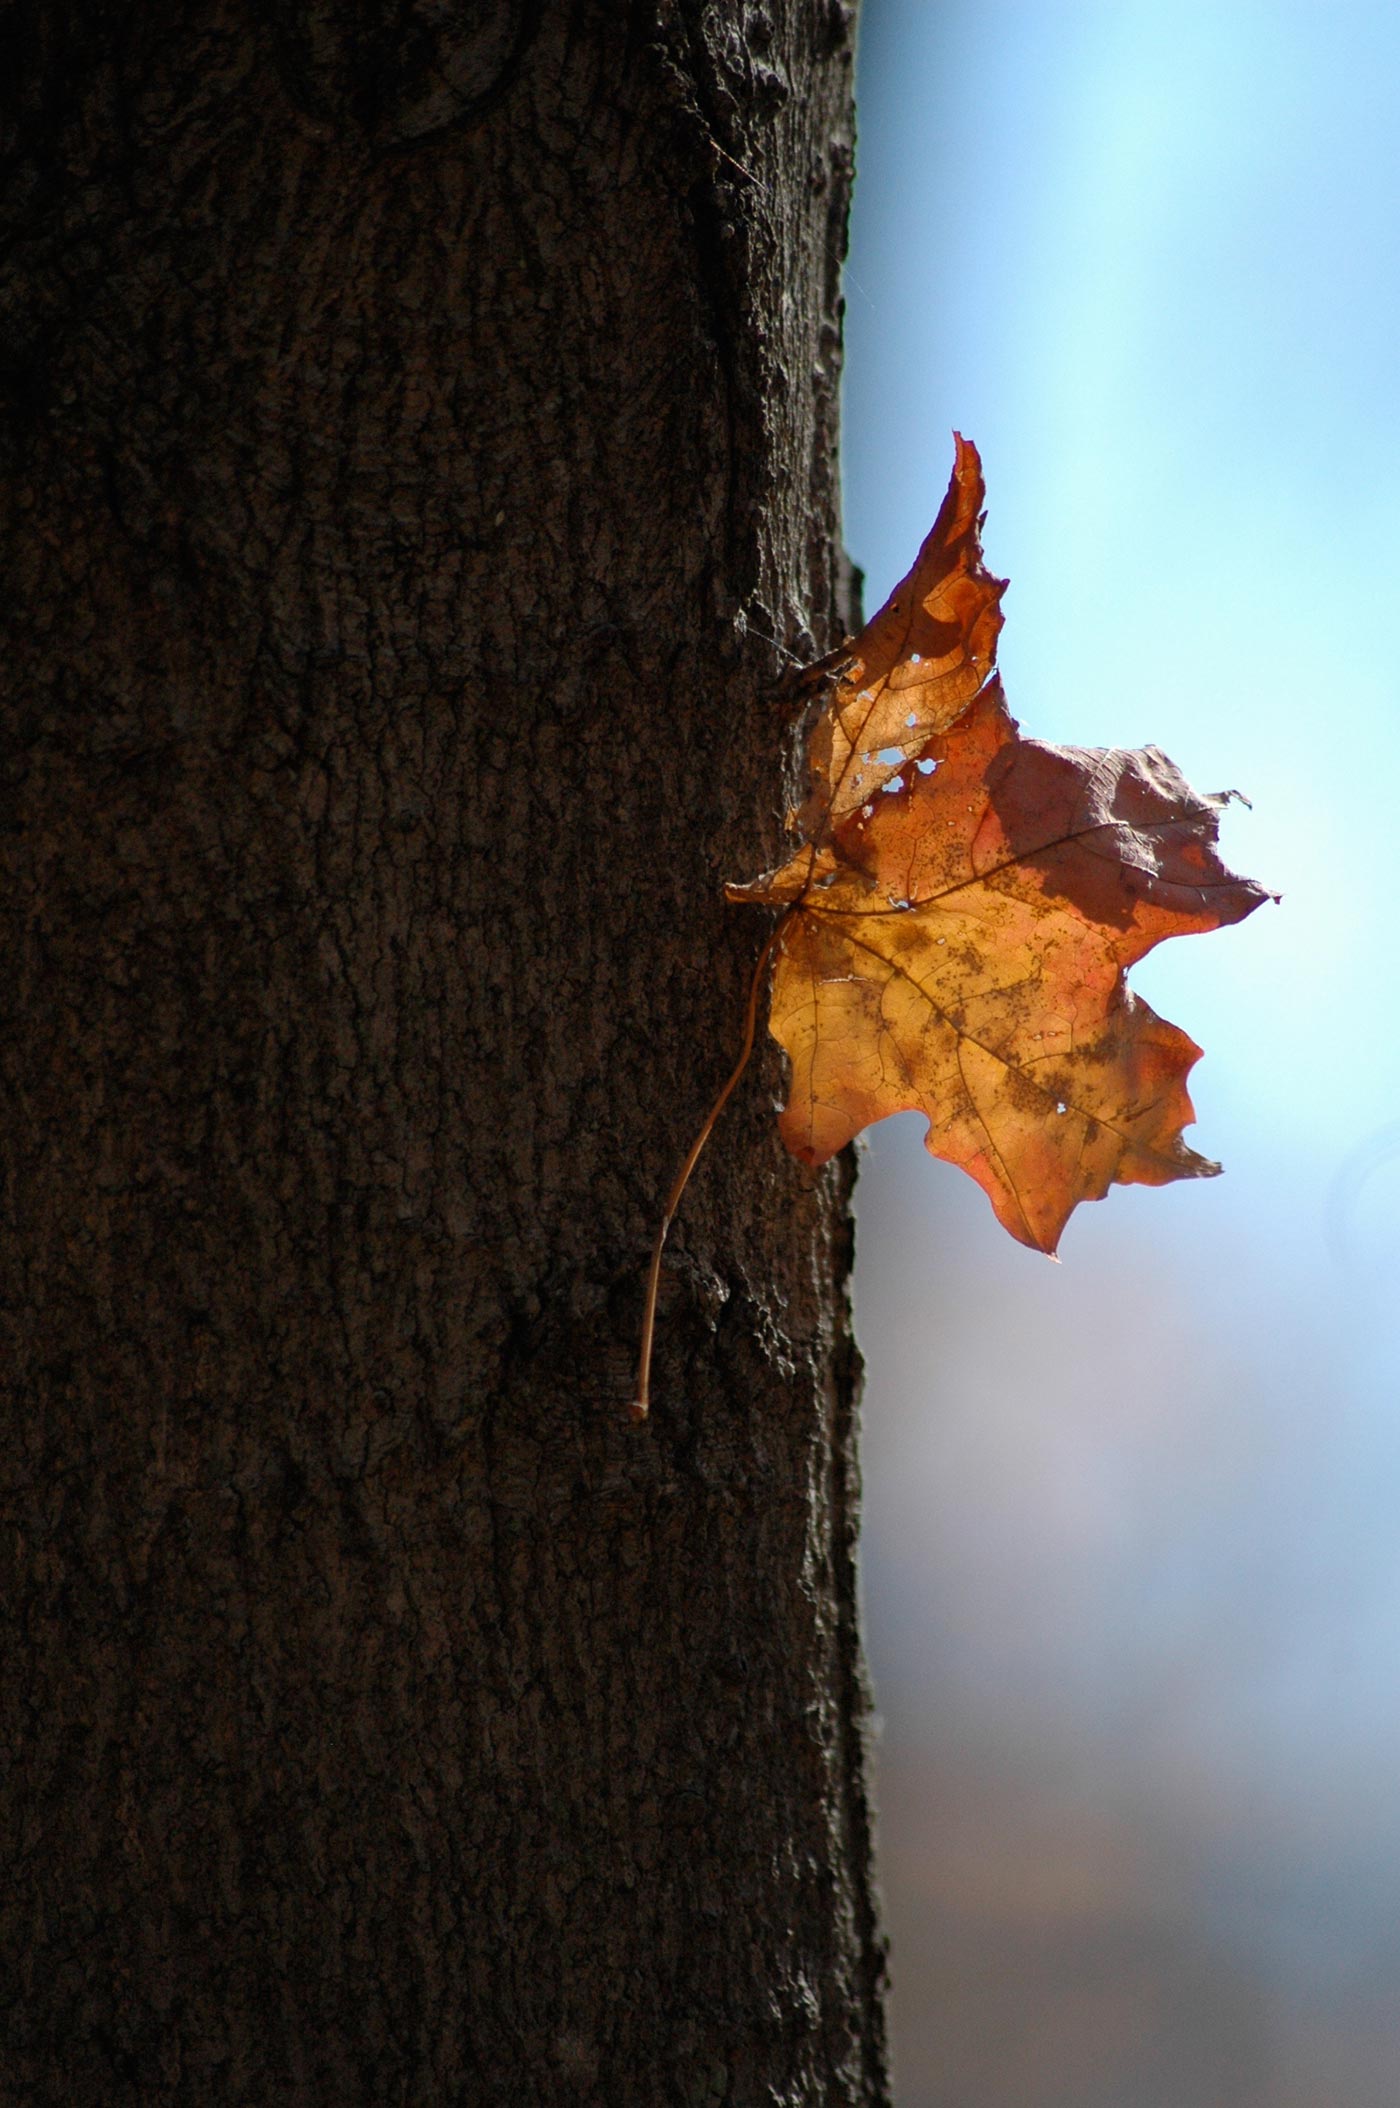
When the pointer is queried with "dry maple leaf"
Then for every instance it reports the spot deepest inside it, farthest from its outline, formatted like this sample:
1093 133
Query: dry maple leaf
960 920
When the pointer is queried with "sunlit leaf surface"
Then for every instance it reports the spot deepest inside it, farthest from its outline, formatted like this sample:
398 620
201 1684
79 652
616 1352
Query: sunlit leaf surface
963 909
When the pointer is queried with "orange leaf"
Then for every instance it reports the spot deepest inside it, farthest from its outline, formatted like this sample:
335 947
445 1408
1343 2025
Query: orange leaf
960 919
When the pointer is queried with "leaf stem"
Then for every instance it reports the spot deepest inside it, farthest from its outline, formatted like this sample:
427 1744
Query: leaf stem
641 1404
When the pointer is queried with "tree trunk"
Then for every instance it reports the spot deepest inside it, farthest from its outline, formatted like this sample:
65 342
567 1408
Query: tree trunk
417 424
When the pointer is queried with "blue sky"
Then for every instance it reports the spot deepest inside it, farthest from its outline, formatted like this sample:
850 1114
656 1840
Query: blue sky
1143 1508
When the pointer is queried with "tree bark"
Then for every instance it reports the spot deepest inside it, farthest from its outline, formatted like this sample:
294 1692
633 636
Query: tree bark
419 431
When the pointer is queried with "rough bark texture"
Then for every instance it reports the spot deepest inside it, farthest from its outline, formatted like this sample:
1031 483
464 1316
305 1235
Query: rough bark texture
415 423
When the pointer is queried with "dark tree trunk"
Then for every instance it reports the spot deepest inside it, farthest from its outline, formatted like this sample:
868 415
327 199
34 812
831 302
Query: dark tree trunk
416 423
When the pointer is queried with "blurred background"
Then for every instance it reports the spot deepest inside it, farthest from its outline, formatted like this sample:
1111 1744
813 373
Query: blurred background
1133 1521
